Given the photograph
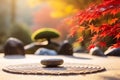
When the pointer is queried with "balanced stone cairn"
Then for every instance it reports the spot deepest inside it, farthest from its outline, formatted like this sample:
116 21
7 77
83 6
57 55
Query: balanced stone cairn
52 62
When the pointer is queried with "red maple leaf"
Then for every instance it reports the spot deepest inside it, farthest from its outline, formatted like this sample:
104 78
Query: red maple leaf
117 45
91 46
81 29
113 21
102 44
114 11
72 33
117 36
80 39
92 28
94 38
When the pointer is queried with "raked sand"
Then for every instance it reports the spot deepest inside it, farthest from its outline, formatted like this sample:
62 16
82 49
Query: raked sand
112 65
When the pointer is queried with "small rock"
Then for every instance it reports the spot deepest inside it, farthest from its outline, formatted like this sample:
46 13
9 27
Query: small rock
112 52
44 51
52 62
32 47
14 46
66 49
96 51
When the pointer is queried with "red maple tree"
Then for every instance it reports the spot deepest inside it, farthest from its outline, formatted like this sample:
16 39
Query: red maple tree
103 20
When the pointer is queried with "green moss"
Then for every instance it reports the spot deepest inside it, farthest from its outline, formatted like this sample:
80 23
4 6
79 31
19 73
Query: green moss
45 33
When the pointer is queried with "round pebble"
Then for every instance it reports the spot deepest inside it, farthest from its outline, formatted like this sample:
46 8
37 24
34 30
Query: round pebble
52 62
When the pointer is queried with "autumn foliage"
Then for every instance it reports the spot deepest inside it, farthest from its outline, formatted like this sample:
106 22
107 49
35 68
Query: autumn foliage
103 20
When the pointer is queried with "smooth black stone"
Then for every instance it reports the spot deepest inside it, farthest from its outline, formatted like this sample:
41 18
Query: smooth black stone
96 51
66 49
112 52
14 46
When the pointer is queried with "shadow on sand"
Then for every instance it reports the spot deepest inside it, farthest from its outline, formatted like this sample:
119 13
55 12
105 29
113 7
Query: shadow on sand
76 57
14 57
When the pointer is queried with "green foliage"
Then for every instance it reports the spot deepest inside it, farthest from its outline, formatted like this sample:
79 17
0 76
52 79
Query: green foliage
3 22
3 35
21 32
45 33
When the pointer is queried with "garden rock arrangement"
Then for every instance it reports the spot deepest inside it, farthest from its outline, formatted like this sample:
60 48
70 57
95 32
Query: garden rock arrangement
14 46
41 35
112 52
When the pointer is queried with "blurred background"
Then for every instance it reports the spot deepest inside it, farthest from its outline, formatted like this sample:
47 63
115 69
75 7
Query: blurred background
20 18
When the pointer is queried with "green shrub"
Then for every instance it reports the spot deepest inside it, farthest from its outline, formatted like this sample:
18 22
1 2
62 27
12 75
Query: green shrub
45 33
40 35
20 32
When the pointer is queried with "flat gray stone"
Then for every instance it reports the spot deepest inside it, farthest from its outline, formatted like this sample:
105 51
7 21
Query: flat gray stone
52 62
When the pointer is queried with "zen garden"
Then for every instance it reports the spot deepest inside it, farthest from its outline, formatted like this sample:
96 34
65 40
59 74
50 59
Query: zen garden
60 39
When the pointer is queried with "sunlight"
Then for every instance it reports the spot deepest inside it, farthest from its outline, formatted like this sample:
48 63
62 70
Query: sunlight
59 39
33 3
